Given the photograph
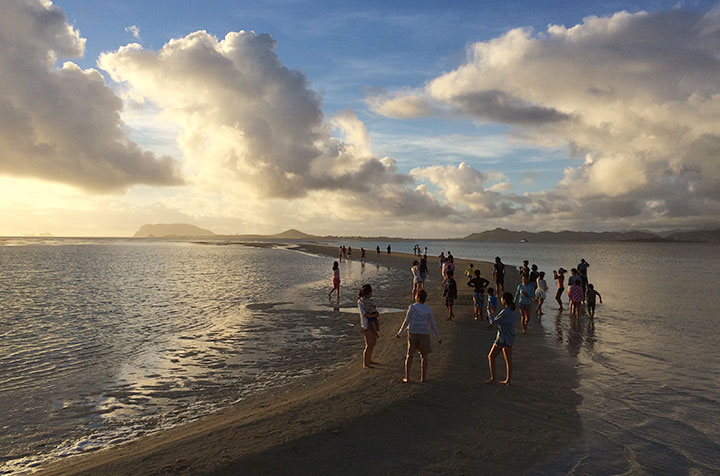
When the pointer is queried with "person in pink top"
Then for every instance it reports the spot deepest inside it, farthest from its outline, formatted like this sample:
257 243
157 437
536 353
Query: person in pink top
335 281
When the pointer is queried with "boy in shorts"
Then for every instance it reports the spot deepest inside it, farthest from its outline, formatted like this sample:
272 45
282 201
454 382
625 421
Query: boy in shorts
590 298
450 293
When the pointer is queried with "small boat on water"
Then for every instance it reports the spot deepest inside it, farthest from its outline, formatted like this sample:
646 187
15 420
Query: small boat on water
523 240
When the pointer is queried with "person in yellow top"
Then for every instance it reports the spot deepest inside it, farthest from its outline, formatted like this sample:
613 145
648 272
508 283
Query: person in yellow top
469 272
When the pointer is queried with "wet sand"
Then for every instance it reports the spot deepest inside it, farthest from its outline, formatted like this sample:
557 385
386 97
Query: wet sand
367 421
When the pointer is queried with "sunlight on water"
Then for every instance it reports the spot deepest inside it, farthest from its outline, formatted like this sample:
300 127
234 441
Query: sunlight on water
105 341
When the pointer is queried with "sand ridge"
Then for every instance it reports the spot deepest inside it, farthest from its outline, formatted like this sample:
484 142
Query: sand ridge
367 421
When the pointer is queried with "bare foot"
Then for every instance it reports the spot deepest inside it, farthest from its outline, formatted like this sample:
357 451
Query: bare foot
368 366
506 383
449 319
490 381
406 380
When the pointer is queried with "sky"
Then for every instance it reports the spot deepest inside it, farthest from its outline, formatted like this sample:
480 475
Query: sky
413 119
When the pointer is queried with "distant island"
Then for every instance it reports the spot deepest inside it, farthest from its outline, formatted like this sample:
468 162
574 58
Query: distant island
174 230
498 235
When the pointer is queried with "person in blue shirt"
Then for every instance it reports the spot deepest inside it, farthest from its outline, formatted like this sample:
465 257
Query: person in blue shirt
523 299
505 339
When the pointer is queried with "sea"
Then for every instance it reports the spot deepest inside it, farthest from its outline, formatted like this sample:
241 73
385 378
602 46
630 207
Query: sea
106 340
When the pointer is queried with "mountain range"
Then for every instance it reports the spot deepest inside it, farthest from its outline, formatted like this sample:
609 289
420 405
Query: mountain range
498 235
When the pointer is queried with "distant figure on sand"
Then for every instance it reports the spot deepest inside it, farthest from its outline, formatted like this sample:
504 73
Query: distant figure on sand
388 249
450 293
478 283
499 275
559 276
590 298
504 340
378 249
335 280
523 299
368 318
362 255
418 321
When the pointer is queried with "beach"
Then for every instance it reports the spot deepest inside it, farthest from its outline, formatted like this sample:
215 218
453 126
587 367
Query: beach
367 421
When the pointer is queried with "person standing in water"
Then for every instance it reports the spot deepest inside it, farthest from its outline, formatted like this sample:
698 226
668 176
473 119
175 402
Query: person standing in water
540 292
418 322
559 276
504 340
335 280
590 296
582 268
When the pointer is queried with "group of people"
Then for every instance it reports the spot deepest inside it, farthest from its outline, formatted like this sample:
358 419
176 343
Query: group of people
419 320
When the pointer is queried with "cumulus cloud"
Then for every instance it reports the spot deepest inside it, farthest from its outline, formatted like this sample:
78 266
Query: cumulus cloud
250 123
63 124
637 93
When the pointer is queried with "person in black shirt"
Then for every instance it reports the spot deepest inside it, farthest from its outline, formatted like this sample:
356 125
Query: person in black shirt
478 283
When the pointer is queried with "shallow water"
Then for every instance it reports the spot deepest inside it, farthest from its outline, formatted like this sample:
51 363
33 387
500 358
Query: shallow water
105 340
102 341
648 365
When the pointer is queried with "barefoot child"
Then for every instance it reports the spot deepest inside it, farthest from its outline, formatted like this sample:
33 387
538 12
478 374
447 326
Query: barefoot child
367 329
450 293
335 280
590 298
576 295
523 300
540 292
418 321
505 339
559 276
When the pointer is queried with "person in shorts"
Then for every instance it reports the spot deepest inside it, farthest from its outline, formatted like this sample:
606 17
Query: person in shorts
418 322
450 293
504 340
478 283
590 298
523 299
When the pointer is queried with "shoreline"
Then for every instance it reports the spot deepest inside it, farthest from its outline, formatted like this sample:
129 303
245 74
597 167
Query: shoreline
356 421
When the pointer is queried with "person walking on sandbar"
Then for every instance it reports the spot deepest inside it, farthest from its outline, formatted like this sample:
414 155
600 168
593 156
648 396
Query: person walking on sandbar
418 321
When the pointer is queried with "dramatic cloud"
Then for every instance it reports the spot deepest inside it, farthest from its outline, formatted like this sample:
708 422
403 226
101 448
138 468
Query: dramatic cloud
63 124
249 123
638 95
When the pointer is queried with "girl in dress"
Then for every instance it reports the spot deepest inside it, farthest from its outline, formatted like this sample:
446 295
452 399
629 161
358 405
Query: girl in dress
541 292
